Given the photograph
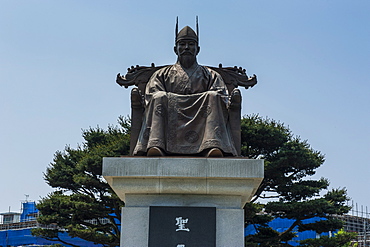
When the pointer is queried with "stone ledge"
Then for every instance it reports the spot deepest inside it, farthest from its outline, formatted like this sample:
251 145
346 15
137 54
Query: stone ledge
184 176
182 167
181 200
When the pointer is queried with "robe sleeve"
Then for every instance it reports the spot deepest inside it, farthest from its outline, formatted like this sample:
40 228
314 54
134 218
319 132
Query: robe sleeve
154 85
218 85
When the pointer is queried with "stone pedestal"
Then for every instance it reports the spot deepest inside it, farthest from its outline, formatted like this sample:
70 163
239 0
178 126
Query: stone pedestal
224 183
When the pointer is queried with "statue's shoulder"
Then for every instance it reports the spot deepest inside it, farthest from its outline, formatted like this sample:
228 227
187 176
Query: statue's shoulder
208 69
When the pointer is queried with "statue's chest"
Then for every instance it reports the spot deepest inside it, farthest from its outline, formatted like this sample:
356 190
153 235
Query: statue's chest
187 83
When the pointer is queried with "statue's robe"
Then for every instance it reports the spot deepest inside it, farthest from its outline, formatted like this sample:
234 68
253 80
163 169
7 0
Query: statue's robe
185 113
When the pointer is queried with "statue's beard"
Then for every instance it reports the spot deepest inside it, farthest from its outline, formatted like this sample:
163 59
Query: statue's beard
187 60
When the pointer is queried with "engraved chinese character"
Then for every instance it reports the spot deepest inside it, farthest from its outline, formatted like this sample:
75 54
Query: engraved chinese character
180 223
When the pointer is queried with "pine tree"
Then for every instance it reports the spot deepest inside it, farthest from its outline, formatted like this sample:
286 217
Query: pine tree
290 194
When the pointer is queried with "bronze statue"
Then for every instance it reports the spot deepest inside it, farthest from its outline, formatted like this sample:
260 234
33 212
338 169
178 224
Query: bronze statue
186 108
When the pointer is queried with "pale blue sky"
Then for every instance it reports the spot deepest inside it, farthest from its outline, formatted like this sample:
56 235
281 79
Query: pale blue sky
59 60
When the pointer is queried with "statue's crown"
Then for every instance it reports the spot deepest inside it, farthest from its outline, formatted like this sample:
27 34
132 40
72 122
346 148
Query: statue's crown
187 32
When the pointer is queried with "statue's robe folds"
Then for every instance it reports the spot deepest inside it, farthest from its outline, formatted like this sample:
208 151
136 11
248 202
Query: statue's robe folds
185 113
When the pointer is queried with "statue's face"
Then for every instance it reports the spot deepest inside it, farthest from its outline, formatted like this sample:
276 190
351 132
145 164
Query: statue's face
186 48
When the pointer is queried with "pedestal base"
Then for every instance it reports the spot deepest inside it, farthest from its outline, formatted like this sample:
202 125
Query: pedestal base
223 183
135 227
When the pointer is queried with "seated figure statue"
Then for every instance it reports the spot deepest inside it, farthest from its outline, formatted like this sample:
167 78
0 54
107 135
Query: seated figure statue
186 107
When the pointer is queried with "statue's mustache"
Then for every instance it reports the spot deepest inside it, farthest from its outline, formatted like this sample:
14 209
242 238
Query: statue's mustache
186 52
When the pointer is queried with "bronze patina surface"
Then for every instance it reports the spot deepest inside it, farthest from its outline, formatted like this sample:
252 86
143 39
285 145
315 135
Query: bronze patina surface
186 108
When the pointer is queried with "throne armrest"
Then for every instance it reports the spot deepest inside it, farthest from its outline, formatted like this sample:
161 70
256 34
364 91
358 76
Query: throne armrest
137 111
234 118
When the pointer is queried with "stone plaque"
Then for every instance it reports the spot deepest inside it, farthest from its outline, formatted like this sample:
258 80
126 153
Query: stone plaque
182 227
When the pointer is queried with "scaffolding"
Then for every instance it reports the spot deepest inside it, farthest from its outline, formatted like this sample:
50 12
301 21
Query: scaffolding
16 229
25 225
358 220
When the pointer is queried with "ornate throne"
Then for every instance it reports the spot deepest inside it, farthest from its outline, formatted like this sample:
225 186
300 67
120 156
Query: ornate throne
139 76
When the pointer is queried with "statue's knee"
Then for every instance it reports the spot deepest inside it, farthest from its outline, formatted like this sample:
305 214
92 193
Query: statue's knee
213 93
159 95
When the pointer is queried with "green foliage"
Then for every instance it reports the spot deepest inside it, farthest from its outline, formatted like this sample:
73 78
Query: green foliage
83 201
341 239
288 162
